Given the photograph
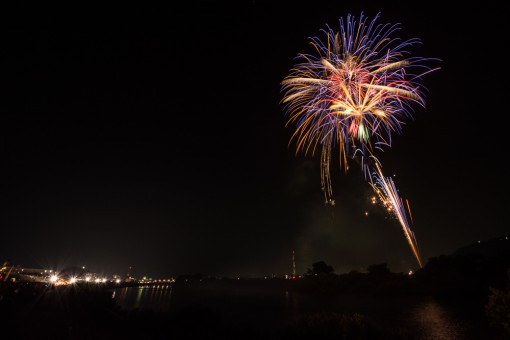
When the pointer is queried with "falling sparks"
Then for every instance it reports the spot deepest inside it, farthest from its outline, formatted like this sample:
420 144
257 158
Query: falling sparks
388 195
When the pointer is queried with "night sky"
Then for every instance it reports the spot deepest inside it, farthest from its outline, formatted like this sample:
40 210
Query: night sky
153 137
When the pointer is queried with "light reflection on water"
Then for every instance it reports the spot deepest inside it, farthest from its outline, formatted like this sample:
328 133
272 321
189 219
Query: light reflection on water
155 298
435 322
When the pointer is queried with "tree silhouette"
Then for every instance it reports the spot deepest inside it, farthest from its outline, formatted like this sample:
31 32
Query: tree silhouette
320 268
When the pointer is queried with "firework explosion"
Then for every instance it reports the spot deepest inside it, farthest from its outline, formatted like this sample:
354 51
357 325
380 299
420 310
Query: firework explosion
353 94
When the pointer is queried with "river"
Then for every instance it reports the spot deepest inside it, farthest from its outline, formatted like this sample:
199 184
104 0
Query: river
423 318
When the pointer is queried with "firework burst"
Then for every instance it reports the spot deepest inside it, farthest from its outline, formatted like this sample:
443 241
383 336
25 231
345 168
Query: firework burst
353 94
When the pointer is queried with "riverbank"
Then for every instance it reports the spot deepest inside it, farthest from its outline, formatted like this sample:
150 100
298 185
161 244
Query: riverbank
240 309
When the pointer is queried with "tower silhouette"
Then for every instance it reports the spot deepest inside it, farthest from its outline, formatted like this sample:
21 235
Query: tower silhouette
293 264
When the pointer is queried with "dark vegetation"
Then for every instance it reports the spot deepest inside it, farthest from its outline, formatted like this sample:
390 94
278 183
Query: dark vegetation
473 281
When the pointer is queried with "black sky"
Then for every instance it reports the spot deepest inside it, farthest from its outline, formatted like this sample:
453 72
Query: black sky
153 137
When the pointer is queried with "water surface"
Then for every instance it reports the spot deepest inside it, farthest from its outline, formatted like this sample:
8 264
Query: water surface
423 318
